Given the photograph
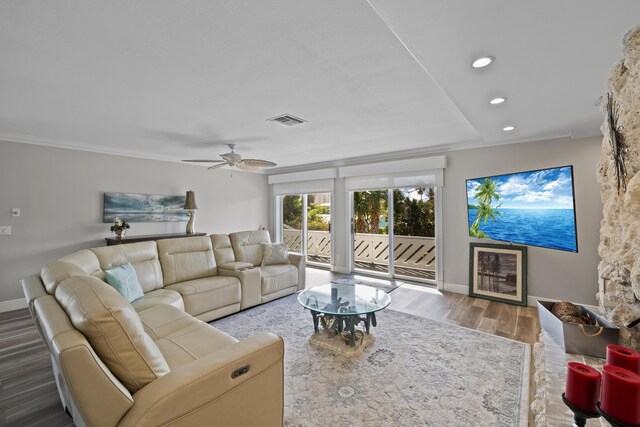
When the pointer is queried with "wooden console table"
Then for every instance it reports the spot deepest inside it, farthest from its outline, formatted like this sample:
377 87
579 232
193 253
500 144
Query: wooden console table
151 237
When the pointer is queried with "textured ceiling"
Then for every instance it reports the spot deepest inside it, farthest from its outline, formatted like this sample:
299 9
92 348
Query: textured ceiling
173 80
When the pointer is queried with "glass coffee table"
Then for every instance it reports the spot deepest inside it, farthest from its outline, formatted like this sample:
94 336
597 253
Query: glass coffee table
348 304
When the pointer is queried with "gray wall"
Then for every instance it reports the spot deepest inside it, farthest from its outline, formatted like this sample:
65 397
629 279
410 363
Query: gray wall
552 274
60 193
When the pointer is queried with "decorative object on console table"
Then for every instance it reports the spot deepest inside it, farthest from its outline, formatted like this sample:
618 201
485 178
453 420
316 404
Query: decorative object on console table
133 207
151 237
623 357
190 205
119 227
620 397
498 272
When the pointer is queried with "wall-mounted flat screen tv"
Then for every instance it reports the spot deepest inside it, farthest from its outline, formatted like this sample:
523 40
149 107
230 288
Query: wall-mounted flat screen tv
534 208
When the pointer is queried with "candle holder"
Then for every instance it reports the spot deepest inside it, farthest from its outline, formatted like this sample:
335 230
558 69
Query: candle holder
580 416
611 420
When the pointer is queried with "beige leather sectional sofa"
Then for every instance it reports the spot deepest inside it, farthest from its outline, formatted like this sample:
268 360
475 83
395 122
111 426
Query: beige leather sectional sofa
155 361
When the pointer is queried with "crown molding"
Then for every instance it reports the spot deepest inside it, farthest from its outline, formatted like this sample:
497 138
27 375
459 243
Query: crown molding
54 143
410 154
352 161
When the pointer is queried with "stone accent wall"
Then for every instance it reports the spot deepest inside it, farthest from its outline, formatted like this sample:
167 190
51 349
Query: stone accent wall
619 249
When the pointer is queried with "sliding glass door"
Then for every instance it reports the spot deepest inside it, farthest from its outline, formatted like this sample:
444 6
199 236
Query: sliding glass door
397 241
414 233
306 226
371 231
292 223
318 229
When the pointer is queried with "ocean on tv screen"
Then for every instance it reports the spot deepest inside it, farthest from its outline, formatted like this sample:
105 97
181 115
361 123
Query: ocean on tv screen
533 208
550 228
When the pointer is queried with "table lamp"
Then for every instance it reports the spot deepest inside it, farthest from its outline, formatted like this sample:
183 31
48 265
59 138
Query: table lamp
190 206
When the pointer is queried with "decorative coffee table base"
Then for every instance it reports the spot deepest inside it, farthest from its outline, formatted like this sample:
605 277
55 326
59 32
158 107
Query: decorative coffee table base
347 323
340 308
337 344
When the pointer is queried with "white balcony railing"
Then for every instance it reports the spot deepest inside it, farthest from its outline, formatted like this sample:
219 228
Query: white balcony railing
409 251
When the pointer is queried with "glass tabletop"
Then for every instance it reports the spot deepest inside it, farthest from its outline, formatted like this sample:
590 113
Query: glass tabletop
342 299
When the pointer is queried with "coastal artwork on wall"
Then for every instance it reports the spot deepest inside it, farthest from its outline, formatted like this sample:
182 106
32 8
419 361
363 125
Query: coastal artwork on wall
535 208
132 207
498 272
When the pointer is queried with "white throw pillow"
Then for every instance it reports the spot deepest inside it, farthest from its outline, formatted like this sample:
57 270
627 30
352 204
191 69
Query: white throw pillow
274 253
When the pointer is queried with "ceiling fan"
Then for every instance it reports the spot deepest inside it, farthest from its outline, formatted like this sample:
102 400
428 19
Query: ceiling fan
234 159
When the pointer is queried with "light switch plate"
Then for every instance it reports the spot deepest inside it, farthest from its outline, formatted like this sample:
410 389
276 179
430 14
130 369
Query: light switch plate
15 212
5 230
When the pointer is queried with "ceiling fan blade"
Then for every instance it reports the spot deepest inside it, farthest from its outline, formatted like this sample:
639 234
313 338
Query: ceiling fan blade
219 165
203 161
248 168
257 163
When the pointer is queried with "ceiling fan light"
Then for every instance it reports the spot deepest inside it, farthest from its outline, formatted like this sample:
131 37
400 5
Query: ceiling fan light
509 128
497 100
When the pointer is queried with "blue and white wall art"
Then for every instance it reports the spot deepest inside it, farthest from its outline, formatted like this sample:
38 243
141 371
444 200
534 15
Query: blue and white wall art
132 207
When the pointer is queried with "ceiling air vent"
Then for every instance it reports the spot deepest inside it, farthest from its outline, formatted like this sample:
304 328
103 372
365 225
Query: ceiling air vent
287 120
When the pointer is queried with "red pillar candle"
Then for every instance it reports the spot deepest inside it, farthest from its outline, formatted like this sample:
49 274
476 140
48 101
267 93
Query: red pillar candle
621 394
583 386
623 357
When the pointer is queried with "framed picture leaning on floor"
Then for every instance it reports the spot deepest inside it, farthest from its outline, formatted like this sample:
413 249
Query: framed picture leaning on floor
498 272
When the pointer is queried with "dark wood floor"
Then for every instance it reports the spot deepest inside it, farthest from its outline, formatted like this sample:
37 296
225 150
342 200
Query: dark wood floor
28 395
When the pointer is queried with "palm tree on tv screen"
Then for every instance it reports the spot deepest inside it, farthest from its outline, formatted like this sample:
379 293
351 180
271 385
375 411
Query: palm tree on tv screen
485 196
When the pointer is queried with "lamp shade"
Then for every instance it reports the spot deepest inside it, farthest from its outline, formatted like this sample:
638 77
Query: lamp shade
190 200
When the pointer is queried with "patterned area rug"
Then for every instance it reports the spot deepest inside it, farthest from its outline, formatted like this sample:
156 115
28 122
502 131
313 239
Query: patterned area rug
418 372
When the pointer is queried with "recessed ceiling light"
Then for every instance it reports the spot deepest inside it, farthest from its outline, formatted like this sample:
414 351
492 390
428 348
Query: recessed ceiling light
508 128
482 61
498 100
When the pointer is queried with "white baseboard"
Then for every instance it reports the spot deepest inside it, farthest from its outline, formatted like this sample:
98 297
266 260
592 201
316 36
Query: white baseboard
456 288
14 304
531 299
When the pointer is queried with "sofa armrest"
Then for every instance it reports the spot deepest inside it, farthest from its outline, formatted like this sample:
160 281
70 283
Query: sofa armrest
236 266
205 392
32 288
301 263
250 285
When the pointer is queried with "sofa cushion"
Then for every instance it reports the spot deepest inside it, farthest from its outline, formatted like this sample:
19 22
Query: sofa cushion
124 280
57 271
278 277
247 245
193 342
143 256
86 260
209 293
222 249
113 329
274 253
163 320
186 258
159 297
